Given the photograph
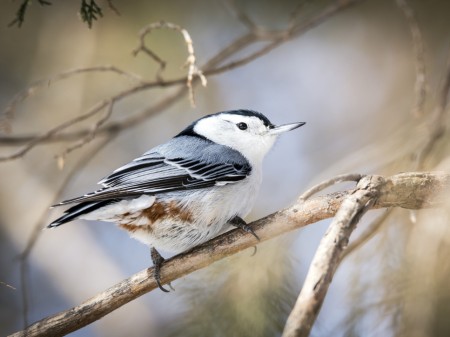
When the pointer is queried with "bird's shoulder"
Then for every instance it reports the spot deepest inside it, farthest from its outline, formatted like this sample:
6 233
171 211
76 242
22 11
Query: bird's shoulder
183 156
178 165
199 148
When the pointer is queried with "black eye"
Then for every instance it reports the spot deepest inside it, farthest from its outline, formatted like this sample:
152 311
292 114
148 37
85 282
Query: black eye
242 126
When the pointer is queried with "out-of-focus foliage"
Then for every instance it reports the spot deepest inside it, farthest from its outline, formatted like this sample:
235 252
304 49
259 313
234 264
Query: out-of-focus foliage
248 296
22 10
90 11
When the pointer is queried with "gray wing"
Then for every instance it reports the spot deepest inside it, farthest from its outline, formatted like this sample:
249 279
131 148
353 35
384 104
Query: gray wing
184 163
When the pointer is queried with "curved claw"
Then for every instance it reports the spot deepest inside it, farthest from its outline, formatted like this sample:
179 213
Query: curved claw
158 282
240 223
157 263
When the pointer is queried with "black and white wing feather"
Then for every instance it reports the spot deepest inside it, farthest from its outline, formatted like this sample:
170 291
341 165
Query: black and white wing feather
172 167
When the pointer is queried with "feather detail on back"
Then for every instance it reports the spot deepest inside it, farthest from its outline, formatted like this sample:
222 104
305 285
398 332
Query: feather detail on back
78 210
167 169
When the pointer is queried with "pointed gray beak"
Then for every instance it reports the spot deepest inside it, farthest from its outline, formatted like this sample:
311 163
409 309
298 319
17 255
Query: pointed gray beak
276 130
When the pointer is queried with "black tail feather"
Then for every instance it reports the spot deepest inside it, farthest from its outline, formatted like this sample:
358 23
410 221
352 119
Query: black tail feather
75 211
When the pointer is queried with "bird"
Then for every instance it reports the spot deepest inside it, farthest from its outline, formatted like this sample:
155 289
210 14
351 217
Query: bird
188 190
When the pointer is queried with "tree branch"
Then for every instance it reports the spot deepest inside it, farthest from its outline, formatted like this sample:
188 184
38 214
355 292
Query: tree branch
368 234
190 63
43 220
420 87
213 67
329 255
437 126
407 190
338 179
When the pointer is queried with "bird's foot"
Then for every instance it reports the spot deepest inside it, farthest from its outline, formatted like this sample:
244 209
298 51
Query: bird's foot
240 223
158 260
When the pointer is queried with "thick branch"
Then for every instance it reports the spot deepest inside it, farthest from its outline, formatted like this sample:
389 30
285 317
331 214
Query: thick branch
401 190
407 190
329 255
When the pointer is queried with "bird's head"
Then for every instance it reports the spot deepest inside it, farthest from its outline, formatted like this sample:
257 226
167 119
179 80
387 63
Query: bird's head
249 132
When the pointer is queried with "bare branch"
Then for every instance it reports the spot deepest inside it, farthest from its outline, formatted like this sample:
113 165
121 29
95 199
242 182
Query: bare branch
407 190
40 224
193 70
89 137
329 255
8 113
242 16
420 87
301 6
212 67
112 7
279 37
113 127
368 234
327 183
445 91
371 192
7 285
93 111
143 48
437 125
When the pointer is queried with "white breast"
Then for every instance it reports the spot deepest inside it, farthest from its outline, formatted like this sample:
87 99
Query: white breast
210 208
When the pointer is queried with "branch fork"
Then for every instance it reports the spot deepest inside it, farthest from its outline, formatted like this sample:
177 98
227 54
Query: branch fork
413 190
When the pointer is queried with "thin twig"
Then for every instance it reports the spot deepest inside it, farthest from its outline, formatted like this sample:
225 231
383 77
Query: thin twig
295 14
278 38
143 48
112 7
437 125
24 290
40 224
193 70
89 137
420 87
7 285
50 133
408 190
37 230
241 16
445 90
211 67
8 112
327 183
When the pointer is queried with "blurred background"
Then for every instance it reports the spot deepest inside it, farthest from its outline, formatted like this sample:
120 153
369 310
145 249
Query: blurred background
352 79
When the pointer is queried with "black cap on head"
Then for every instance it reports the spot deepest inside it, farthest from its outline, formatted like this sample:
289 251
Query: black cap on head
189 131
248 113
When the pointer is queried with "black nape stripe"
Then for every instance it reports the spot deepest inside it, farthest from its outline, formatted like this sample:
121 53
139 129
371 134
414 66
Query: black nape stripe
249 113
189 131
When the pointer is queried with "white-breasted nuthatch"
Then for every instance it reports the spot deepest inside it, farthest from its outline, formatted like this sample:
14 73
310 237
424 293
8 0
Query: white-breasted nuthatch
186 191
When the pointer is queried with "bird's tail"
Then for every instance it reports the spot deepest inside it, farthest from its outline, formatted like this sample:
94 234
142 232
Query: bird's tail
75 211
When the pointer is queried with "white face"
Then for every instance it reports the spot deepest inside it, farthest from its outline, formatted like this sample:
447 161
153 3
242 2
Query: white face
253 142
